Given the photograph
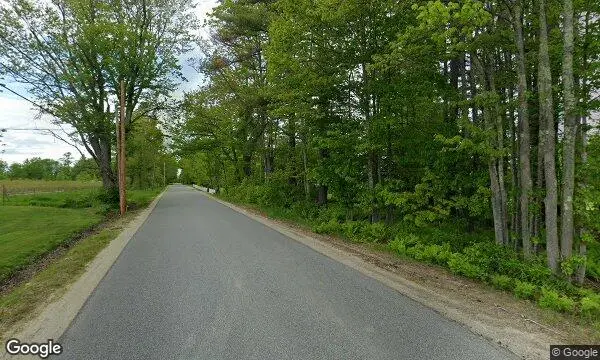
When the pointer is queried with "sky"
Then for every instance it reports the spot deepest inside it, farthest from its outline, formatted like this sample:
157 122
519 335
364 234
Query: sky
16 113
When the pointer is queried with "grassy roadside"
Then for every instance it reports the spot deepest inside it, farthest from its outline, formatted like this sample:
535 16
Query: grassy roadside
32 226
24 300
29 232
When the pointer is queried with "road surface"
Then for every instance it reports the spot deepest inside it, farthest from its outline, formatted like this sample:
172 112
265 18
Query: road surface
201 281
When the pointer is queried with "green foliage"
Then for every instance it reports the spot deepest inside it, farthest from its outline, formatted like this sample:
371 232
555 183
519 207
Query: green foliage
388 122
525 290
569 266
503 282
149 164
590 306
459 264
551 299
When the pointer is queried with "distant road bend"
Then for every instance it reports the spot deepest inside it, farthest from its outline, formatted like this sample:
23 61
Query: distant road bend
201 281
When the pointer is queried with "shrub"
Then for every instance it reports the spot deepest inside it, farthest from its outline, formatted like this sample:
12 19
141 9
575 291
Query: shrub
408 239
524 290
353 230
416 251
513 268
436 254
503 282
593 269
590 306
551 299
374 232
488 256
398 246
459 264
109 197
536 273
330 227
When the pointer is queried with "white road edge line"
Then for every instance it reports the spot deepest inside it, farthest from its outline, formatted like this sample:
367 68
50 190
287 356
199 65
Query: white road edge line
55 318
520 343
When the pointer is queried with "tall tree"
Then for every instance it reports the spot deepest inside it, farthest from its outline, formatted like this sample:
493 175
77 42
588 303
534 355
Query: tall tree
549 143
570 133
71 55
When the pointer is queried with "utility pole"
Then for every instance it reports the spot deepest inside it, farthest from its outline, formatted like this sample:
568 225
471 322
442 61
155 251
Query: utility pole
121 152
164 173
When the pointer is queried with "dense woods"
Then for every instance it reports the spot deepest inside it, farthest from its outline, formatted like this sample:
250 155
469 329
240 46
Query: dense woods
474 121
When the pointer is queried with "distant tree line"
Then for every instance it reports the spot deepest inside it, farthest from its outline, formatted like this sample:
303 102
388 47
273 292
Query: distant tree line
66 168
149 164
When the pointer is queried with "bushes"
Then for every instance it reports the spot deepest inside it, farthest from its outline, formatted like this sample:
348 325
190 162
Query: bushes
469 254
524 290
460 265
502 282
551 299
590 306
357 231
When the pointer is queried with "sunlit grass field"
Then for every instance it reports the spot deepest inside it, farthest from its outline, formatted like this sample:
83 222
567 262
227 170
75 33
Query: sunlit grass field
36 186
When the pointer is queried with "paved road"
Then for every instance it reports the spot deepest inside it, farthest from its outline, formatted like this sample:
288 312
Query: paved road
201 281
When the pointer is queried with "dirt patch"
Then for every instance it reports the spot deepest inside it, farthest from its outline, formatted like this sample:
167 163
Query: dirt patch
519 325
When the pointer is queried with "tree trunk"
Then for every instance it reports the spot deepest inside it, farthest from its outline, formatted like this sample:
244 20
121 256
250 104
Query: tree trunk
247 165
322 191
496 202
493 122
549 133
524 136
570 131
305 164
102 156
580 274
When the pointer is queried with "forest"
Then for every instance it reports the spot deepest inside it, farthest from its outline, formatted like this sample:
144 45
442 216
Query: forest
462 133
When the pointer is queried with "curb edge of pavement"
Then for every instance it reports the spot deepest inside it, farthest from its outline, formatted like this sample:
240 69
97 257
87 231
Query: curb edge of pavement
506 338
55 318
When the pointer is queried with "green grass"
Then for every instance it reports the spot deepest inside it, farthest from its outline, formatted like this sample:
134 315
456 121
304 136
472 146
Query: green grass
26 186
29 232
24 299
141 198
33 225
70 199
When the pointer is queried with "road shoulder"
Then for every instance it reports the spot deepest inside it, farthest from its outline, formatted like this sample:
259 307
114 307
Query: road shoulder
483 311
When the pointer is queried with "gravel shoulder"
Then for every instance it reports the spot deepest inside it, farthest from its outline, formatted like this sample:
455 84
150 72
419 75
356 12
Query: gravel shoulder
518 325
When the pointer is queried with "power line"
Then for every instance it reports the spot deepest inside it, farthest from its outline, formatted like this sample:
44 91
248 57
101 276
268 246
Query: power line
28 129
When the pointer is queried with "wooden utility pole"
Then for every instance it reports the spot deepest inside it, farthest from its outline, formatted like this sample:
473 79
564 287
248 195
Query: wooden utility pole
121 152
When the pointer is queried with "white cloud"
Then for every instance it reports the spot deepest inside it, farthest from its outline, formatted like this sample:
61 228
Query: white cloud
16 113
21 141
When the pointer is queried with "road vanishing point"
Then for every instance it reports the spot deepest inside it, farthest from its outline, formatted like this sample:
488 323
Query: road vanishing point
202 281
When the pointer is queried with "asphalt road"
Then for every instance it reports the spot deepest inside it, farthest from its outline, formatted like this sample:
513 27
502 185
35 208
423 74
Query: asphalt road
201 281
